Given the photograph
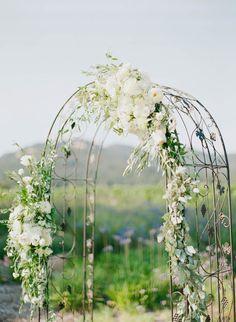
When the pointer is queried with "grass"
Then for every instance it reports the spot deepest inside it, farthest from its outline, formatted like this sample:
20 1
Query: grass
131 283
124 283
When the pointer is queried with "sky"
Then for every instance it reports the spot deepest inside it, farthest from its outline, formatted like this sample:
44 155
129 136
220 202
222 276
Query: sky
44 45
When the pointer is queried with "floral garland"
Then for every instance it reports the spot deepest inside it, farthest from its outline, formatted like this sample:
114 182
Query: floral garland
31 228
131 103
128 102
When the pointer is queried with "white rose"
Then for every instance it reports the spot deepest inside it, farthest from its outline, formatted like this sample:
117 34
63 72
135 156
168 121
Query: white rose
145 81
156 94
131 87
141 110
159 137
26 160
16 212
45 207
30 236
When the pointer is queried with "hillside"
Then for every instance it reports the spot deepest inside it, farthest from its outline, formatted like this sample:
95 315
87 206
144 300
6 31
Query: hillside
112 164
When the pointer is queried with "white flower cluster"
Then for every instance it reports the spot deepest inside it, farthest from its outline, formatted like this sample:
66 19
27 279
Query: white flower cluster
179 192
30 229
130 102
184 258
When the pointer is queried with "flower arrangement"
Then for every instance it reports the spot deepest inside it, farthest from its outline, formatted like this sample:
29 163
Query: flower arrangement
128 102
31 228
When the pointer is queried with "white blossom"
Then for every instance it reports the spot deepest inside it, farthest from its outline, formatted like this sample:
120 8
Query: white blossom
21 172
159 137
16 213
176 219
26 160
183 199
196 190
45 207
156 94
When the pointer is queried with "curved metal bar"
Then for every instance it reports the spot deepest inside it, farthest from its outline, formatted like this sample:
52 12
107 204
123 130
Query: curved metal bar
212 164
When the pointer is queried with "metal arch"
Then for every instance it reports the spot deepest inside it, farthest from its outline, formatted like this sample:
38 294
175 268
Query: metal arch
217 166
211 165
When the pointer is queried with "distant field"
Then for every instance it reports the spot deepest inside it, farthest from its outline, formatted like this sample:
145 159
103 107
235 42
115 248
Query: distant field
131 280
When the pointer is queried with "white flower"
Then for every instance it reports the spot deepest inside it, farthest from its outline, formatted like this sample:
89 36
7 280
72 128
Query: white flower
25 272
26 160
180 171
159 116
176 219
31 235
45 207
21 172
142 110
15 275
190 250
182 199
15 229
27 180
29 188
144 82
26 299
196 190
17 212
156 94
160 238
111 86
159 137
46 239
123 72
132 87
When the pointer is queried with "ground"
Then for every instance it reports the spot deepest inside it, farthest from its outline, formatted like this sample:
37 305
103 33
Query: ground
10 301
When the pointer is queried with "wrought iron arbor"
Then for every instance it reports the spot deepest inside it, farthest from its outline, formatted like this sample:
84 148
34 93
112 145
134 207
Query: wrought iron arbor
213 211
